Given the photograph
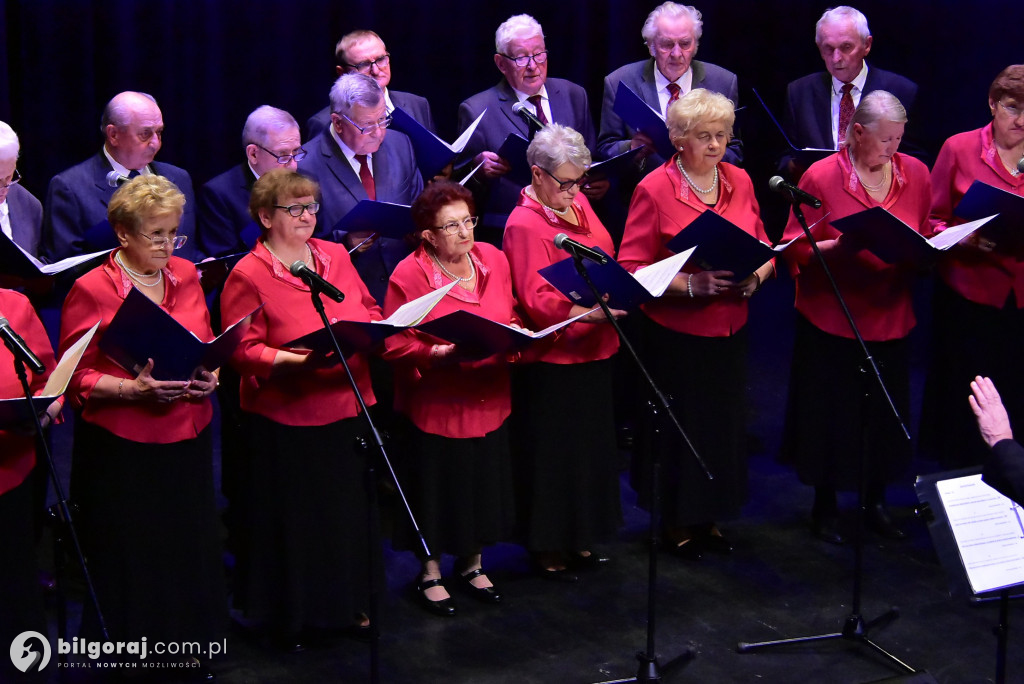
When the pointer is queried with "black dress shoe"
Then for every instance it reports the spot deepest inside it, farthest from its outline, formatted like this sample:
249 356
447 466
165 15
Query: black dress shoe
562 575
826 528
716 543
878 520
591 562
444 607
688 550
482 594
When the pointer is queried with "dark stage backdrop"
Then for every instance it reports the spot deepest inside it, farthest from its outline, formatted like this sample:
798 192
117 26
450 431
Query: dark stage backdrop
211 62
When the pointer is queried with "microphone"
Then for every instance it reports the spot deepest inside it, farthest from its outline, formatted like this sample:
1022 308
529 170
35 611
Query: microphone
114 179
532 122
19 348
777 184
315 281
563 241
1020 165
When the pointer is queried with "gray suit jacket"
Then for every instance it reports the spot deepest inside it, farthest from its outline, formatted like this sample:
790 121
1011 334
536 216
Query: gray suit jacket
396 179
639 76
26 215
414 105
76 201
569 107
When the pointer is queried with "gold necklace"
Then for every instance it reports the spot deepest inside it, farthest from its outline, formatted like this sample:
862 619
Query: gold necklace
880 184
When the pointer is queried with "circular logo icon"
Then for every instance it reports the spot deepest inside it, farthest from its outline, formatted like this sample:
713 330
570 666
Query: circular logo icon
30 652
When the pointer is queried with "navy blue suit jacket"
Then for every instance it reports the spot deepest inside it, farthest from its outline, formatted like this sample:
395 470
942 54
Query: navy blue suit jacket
77 199
396 179
414 105
639 77
569 107
224 212
808 118
26 215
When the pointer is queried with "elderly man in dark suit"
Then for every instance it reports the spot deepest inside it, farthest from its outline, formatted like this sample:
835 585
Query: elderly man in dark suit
357 158
21 214
272 140
672 33
819 105
363 52
522 58
76 201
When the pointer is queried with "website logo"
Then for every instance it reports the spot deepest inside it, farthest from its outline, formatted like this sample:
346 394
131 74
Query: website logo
30 652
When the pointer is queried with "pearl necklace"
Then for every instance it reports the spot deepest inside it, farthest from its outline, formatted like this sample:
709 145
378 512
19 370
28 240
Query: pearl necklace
458 279
880 184
136 276
308 259
714 182
560 212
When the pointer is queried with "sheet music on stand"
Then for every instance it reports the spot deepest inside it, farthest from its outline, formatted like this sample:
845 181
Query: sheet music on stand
978 533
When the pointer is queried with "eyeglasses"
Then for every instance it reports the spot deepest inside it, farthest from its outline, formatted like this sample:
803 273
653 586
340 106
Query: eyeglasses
523 60
1013 112
284 158
15 179
364 67
452 227
565 185
297 209
372 128
175 241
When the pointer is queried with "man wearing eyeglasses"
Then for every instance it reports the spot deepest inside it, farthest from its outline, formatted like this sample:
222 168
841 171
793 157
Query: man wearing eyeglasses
75 221
358 158
522 58
272 140
672 33
363 52
21 214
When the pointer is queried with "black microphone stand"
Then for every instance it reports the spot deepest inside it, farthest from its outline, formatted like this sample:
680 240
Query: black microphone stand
372 522
61 512
649 669
855 628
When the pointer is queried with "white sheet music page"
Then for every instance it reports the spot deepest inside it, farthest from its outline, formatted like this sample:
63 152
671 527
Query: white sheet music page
989 532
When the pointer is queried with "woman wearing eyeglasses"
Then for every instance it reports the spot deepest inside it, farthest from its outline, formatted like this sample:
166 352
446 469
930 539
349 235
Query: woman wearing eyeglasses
979 294
568 490
303 567
142 470
694 336
458 474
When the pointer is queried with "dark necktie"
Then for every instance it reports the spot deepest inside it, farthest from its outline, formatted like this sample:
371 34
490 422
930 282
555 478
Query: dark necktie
535 101
674 90
845 111
366 177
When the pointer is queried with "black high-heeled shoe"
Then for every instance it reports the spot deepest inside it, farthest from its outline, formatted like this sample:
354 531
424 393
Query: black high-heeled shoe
443 608
489 594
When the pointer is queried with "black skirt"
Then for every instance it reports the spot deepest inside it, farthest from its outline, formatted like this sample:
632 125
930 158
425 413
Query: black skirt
968 339
21 601
564 455
149 529
460 491
305 562
705 379
829 423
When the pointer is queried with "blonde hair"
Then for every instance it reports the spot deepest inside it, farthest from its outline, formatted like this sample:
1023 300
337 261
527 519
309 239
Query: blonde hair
276 184
142 198
697 106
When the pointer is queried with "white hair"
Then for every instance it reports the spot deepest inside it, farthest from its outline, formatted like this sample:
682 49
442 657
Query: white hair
671 10
520 26
843 13
355 89
262 121
9 144
555 145
876 106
